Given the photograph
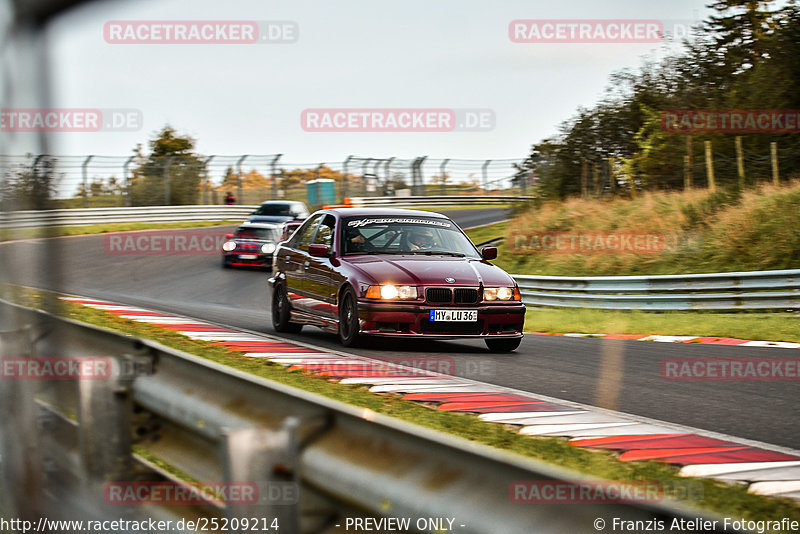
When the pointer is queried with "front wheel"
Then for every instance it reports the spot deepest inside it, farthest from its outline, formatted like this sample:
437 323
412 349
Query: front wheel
503 345
348 319
281 312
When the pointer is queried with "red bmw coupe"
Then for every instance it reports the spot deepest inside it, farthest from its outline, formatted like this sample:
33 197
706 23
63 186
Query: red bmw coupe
394 273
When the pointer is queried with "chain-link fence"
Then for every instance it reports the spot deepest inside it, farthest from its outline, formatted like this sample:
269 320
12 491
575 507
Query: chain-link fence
103 181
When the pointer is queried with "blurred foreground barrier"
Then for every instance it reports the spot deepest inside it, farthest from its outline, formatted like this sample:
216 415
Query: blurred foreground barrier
297 460
712 291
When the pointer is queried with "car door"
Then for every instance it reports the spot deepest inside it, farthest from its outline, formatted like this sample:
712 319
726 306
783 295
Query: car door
294 260
319 288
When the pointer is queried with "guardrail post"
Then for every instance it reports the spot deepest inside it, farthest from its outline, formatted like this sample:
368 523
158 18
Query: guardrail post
268 459
773 152
21 476
85 181
364 169
104 433
274 171
239 178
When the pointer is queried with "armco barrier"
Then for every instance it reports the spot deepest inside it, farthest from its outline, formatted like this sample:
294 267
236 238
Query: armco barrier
63 442
87 216
433 200
778 289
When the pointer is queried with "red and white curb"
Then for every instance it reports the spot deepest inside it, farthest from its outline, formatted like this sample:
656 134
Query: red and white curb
766 469
730 341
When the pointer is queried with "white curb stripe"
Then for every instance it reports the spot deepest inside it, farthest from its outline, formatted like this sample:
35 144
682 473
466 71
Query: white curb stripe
712 470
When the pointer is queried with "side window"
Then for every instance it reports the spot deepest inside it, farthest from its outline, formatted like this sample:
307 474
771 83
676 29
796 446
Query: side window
325 232
304 235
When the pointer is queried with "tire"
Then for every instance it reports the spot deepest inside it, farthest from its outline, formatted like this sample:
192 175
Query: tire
503 345
281 312
225 263
348 319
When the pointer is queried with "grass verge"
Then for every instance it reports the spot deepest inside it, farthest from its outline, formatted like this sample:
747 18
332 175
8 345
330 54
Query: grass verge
753 326
726 500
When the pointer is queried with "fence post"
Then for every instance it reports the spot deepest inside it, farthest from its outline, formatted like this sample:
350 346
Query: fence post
206 181
344 177
740 161
274 171
584 178
485 175
712 185
167 165
128 201
612 179
239 178
688 162
596 178
420 175
85 181
773 149
387 176
442 172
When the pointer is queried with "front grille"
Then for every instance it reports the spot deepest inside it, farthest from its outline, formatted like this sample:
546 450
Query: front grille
434 327
466 296
439 295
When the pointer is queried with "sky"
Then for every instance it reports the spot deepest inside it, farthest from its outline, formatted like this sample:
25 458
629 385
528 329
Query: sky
347 54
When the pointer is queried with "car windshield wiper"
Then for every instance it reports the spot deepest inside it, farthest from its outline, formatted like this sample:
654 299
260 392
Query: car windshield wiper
438 253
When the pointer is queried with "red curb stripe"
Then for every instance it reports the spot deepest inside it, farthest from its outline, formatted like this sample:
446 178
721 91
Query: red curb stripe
624 336
746 455
493 398
507 408
195 328
658 454
719 340
591 442
689 441
139 313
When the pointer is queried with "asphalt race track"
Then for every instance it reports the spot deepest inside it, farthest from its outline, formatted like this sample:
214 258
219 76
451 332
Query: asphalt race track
567 368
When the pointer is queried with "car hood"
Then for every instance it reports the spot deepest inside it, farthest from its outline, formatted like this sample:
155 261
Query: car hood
417 270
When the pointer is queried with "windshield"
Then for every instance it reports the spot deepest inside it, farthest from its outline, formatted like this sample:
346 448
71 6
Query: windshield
404 235
275 209
263 234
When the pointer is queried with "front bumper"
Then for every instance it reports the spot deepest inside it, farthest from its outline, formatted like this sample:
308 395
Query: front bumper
260 260
413 320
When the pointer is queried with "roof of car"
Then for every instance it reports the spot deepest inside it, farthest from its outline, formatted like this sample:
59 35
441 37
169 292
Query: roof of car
281 202
383 212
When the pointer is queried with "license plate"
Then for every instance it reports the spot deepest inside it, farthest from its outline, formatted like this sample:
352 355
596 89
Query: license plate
454 316
247 256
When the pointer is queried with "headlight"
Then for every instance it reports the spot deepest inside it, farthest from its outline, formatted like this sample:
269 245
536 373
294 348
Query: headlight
268 248
392 292
227 246
500 293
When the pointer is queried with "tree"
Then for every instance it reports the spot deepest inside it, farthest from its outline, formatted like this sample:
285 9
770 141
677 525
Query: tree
170 174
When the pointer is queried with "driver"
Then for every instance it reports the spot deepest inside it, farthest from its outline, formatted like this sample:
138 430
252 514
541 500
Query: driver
356 242
421 239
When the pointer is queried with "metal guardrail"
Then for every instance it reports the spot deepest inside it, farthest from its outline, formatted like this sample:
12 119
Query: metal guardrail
62 442
88 216
712 291
434 200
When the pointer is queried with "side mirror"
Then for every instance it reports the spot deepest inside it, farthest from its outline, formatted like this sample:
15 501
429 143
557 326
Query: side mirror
489 253
318 251
228 236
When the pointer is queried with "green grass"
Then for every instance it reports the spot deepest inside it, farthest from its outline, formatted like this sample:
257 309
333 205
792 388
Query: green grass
60 231
753 326
717 497
487 233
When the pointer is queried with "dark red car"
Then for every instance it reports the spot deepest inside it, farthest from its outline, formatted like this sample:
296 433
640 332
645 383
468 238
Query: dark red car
394 273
